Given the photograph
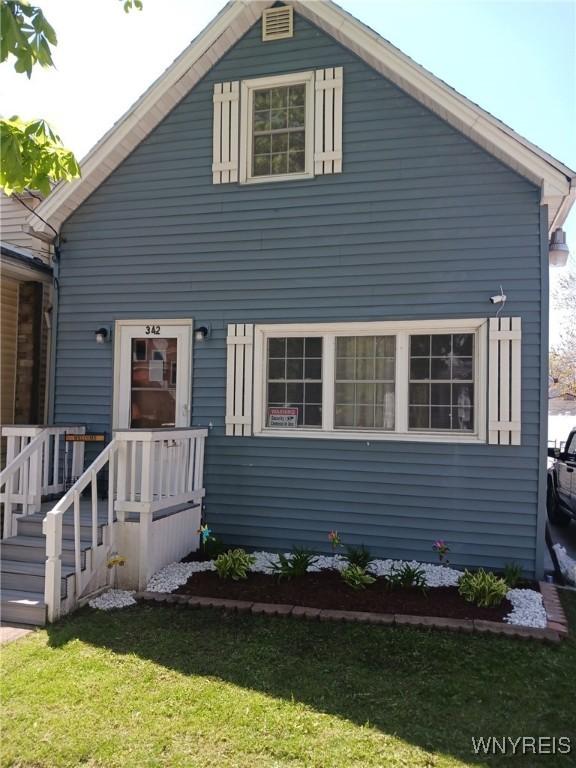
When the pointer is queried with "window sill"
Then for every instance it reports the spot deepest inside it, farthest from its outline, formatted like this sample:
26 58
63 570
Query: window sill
279 177
369 437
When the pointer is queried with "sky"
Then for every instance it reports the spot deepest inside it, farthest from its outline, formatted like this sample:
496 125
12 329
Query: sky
515 58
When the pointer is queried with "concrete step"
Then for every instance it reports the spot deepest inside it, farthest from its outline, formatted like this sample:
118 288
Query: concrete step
31 525
33 549
29 577
19 607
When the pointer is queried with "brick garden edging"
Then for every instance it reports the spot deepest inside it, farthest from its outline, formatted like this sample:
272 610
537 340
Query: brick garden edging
557 621
556 629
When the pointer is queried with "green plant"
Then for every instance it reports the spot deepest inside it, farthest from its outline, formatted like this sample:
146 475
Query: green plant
407 576
294 565
482 588
512 574
234 564
213 547
357 577
358 556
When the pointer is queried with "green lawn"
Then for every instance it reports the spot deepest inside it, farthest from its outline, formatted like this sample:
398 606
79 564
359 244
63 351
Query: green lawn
168 686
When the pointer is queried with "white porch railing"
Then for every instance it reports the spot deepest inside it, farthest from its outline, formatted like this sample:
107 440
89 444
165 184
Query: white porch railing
38 464
148 470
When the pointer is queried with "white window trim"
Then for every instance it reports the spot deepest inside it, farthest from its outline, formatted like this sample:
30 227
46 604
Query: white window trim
247 97
329 331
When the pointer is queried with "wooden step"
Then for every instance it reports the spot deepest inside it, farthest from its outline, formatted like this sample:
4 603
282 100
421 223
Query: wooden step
33 549
31 525
29 576
19 607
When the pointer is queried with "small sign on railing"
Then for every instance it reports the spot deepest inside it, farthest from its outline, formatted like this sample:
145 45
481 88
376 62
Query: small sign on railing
89 438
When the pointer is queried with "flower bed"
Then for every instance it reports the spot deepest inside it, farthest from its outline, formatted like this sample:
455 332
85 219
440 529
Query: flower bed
323 587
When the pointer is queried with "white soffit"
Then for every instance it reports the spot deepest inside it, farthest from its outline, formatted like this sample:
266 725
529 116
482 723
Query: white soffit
556 180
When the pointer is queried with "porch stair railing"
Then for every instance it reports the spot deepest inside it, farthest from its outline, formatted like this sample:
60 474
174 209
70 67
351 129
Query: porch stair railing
148 471
38 465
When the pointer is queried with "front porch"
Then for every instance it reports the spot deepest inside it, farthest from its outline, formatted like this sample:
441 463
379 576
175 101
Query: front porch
140 497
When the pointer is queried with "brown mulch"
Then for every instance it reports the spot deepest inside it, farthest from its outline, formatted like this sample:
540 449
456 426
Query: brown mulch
326 589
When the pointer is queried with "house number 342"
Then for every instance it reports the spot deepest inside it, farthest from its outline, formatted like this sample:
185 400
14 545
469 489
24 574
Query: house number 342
152 330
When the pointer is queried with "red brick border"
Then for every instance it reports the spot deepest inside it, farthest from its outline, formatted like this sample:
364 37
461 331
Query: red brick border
556 629
557 621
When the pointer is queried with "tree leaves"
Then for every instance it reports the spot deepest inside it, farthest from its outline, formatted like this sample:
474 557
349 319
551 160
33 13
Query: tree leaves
26 35
129 5
32 157
31 154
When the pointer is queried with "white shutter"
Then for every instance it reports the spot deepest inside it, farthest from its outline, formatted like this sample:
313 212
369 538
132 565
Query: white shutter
328 121
225 139
240 343
504 383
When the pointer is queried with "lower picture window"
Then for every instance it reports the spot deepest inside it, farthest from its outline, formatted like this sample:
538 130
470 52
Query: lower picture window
382 378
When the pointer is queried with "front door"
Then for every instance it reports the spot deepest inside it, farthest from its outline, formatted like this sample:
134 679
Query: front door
153 374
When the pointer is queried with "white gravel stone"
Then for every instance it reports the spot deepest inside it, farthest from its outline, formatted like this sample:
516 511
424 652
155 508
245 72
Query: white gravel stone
114 598
527 608
174 575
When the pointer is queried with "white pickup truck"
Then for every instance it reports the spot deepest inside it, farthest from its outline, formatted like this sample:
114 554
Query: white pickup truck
561 496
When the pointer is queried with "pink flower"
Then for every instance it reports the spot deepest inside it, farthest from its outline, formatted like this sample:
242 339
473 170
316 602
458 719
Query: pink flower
334 539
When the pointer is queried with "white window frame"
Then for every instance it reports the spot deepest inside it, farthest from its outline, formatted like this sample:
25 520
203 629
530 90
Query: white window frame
402 330
247 100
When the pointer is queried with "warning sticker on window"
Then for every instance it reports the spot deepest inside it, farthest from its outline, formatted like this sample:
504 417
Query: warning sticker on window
282 417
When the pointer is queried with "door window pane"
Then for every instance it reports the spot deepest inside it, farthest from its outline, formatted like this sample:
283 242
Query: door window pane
153 383
294 383
441 388
365 382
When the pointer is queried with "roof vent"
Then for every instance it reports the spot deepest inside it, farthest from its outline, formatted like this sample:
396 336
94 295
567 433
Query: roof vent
278 23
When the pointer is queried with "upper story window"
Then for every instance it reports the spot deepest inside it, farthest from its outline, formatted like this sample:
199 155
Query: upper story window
279 130
277 138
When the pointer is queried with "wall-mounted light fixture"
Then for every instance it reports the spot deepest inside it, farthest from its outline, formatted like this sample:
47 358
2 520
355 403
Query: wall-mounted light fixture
201 332
558 250
103 335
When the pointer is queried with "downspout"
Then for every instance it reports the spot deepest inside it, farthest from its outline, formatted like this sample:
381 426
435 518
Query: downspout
51 373
52 316
543 431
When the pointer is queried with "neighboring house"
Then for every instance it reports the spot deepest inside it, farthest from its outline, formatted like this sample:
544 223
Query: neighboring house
292 239
25 302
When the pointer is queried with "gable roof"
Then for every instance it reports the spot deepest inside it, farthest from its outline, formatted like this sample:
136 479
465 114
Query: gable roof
556 181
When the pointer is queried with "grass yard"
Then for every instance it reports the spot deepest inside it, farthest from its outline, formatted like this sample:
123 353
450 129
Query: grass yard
166 686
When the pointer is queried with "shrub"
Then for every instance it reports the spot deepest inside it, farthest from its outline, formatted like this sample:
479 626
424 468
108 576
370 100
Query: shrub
407 576
213 547
358 556
234 564
357 577
483 588
296 564
512 574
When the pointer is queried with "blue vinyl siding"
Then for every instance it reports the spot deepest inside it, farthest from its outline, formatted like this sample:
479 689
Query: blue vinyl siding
422 223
